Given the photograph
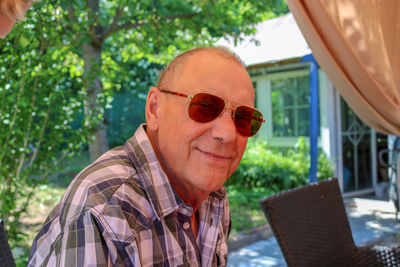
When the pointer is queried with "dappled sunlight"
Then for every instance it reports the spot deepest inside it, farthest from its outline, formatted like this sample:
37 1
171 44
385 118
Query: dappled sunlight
365 38
261 253
378 225
248 252
382 209
263 261
371 219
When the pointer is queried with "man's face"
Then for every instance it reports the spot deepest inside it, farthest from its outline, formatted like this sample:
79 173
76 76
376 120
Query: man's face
201 156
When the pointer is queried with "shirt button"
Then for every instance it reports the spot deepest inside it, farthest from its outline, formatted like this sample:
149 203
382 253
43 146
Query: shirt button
186 225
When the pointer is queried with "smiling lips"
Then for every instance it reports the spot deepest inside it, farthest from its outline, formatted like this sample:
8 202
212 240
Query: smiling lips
214 155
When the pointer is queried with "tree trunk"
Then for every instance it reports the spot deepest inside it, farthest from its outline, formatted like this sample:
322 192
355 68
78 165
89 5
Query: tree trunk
98 136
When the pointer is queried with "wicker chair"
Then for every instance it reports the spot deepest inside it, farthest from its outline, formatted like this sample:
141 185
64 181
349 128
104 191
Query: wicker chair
6 258
312 229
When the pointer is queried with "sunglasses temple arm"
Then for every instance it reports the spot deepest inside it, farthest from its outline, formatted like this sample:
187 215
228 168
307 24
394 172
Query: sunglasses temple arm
258 119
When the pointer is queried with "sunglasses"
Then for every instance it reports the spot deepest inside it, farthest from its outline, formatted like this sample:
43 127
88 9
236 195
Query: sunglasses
205 107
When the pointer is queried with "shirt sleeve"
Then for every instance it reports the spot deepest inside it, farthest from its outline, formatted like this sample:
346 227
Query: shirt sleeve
80 244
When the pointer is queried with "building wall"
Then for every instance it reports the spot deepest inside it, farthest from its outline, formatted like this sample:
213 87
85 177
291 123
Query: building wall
268 81
264 82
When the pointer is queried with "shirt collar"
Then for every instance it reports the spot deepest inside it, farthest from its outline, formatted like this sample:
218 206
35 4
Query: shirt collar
152 177
154 181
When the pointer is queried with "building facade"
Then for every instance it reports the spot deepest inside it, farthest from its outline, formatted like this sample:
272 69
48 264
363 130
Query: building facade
281 77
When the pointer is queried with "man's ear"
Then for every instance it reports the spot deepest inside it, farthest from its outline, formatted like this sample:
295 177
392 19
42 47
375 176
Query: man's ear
153 108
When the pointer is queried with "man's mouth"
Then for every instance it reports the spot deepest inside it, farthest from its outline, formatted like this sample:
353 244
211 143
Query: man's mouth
215 156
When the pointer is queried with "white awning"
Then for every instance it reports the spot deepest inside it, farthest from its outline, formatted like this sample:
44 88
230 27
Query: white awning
276 40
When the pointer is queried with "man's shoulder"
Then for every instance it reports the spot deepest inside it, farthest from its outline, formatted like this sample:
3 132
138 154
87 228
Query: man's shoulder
95 186
106 191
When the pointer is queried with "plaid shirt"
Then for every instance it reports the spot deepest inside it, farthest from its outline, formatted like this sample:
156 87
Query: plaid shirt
122 211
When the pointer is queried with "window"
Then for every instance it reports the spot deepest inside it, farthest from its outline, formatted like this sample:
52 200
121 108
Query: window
290 107
255 94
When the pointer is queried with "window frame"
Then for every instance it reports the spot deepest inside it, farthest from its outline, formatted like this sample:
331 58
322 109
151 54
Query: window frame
295 107
262 79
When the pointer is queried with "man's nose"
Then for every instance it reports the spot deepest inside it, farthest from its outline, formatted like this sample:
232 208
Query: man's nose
224 127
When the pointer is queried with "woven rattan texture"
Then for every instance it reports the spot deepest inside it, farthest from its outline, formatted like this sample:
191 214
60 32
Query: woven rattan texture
312 229
377 256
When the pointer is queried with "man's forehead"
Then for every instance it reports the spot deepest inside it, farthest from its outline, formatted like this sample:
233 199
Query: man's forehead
208 56
212 61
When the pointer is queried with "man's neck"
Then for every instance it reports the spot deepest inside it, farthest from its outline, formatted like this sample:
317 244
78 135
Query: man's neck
192 197
195 223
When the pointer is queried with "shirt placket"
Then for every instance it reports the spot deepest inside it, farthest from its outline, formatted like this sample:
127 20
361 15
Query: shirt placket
210 215
193 253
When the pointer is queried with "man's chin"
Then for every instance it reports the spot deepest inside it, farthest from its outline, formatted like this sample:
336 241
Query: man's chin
215 184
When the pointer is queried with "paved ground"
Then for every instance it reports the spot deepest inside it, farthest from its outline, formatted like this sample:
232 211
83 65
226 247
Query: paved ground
369 220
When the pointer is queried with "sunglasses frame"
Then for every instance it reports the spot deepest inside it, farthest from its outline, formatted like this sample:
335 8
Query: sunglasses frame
225 106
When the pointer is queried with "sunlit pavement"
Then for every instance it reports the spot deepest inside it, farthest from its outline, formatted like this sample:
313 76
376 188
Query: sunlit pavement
369 220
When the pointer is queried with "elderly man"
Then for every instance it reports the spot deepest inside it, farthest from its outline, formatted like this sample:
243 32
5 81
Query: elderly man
159 200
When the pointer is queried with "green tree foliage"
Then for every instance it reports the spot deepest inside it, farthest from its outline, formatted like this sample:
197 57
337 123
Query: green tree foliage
69 57
119 32
40 93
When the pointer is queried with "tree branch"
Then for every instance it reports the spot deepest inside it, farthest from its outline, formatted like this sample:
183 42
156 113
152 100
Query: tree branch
39 142
44 124
95 29
110 29
71 15
28 129
126 26
182 16
15 113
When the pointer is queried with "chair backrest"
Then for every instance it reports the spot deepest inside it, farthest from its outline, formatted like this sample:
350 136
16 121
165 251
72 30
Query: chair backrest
311 225
6 257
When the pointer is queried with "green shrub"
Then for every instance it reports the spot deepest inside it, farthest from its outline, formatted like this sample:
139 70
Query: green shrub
265 171
277 169
245 210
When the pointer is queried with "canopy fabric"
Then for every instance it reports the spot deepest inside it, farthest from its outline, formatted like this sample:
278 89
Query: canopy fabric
357 44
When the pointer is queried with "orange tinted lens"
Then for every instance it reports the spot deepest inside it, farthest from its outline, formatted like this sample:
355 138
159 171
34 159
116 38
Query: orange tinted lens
247 120
205 107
